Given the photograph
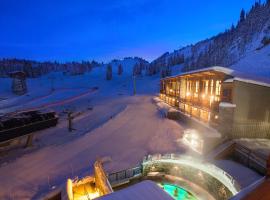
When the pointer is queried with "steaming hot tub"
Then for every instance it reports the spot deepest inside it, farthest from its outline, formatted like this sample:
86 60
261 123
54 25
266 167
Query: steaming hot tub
177 192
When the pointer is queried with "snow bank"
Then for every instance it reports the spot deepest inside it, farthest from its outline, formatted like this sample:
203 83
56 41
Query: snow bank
227 105
146 190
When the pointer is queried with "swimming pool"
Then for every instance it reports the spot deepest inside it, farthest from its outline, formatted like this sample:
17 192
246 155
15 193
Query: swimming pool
177 192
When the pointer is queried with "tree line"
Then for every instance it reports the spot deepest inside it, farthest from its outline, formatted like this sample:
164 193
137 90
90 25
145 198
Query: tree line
34 69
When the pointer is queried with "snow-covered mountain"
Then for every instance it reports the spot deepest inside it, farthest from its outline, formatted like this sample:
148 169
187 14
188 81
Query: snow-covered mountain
129 63
244 46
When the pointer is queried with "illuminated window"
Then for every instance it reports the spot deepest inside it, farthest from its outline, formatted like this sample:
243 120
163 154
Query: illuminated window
218 90
212 87
197 86
218 87
205 116
206 87
195 112
189 85
173 87
182 107
187 108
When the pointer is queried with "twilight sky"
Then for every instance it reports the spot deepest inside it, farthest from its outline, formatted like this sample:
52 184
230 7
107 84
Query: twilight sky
66 30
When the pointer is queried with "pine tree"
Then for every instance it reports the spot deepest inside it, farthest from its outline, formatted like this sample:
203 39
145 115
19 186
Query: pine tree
109 73
137 70
120 69
165 71
232 27
242 15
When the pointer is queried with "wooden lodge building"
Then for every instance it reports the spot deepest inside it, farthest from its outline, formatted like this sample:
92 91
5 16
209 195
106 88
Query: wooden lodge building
19 86
235 104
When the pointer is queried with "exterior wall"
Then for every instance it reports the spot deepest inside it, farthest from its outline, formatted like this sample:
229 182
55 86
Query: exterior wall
225 125
19 86
252 112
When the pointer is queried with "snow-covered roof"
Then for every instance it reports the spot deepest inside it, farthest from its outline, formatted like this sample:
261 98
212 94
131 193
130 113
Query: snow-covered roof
214 68
227 105
224 70
265 83
146 190
237 75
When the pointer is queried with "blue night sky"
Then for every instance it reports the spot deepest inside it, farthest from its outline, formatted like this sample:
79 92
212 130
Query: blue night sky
67 30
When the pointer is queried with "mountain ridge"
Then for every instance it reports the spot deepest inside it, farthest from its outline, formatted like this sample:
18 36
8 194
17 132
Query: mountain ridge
250 35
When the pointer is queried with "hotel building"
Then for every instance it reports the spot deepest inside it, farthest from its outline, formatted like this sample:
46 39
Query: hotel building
233 103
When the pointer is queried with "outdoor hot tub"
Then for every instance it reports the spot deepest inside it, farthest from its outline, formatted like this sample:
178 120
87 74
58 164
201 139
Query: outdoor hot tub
182 177
177 192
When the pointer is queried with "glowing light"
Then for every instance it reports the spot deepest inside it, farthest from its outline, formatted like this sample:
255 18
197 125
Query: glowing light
194 136
188 94
208 168
92 195
192 139
216 116
203 96
212 98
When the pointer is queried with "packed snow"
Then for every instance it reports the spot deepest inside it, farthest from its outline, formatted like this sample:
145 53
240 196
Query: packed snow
119 125
111 123
141 191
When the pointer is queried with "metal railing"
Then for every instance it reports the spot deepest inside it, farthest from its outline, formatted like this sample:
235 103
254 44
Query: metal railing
251 159
217 172
126 175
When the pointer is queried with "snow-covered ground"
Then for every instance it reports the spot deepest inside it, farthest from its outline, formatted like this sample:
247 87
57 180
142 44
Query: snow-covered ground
56 87
119 125
127 138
